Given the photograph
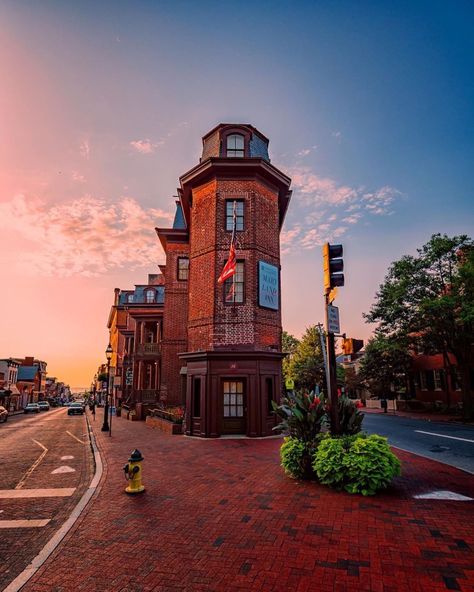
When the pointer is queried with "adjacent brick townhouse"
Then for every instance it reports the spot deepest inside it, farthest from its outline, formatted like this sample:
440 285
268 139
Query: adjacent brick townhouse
218 345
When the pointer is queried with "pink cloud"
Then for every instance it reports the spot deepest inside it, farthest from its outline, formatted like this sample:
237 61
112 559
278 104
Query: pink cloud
87 236
145 146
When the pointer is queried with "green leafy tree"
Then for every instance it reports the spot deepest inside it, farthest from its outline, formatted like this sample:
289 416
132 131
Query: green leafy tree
429 298
289 344
306 365
386 362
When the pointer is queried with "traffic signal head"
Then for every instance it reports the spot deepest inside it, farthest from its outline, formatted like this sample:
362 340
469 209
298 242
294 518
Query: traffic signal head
333 266
352 346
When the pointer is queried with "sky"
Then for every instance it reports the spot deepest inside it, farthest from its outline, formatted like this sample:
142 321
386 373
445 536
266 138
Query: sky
368 107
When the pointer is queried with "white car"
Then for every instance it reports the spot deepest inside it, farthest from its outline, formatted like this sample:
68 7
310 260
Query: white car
43 405
32 408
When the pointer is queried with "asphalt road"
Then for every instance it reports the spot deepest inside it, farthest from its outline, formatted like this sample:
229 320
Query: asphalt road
448 443
46 464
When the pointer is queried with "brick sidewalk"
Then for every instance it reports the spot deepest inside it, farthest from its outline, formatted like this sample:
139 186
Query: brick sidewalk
220 516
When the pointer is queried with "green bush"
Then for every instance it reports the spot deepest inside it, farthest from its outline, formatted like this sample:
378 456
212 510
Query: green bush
371 465
358 463
295 457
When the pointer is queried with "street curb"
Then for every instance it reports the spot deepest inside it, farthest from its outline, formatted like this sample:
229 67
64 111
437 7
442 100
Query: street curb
432 459
59 535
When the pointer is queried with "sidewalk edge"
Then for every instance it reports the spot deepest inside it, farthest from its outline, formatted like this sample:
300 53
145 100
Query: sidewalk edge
59 535
467 471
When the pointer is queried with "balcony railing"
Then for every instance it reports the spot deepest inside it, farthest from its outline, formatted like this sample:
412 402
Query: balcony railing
146 396
148 348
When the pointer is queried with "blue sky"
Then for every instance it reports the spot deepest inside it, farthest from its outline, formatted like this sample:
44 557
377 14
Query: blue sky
367 105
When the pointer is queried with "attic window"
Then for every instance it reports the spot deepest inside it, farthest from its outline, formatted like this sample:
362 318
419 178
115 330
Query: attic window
235 146
150 296
130 298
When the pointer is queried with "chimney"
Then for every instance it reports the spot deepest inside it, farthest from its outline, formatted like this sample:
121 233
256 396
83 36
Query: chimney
116 297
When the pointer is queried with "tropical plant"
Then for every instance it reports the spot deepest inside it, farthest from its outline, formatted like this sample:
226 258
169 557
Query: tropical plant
350 417
302 416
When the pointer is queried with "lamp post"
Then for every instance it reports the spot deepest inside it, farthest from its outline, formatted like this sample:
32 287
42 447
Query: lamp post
105 425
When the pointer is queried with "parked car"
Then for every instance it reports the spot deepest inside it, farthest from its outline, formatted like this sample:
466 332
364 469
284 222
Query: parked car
43 405
75 409
32 408
3 413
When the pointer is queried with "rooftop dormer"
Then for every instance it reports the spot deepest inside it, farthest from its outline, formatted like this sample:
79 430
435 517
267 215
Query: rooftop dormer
232 140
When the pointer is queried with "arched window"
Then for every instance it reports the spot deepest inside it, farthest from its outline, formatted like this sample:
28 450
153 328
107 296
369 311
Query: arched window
150 295
235 145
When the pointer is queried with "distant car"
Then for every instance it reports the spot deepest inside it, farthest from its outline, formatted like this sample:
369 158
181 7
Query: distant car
43 405
32 408
75 409
3 414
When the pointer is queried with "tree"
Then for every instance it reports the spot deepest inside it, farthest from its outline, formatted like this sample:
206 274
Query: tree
289 344
386 362
306 365
429 299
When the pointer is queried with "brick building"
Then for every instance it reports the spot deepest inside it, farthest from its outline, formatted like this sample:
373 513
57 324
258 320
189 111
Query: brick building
221 346
215 348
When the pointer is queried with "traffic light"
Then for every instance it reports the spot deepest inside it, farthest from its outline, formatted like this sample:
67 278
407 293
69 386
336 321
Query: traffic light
333 266
352 346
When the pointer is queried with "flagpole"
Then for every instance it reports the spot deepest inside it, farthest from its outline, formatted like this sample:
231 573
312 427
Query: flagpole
234 219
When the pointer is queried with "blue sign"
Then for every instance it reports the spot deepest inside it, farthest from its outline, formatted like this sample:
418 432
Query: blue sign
268 286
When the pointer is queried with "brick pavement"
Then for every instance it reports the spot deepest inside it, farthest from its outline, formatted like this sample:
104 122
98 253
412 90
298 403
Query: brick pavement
221 516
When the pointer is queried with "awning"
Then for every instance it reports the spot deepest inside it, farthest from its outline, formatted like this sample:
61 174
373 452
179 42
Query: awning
14 390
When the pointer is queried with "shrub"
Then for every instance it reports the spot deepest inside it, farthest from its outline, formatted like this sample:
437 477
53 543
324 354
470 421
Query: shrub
329 460
295 458
371 465
358 463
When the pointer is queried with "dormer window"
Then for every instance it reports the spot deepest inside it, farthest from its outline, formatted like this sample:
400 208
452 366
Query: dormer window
130 298
235 146
150 296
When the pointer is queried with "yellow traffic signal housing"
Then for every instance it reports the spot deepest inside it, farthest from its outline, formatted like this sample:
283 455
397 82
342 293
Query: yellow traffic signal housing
352 346
333 265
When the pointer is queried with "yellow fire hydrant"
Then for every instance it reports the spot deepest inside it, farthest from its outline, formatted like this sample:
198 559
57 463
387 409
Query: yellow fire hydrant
133 473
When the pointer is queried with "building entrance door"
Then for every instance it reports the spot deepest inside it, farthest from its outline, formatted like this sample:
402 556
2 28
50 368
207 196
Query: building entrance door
235 407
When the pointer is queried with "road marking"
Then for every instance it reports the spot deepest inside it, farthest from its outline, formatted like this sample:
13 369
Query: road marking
67 457
33 466
444 495
23 493
23 523
75 437
63 469
444 436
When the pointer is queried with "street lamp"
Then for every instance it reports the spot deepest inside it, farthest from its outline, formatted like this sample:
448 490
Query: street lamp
108 355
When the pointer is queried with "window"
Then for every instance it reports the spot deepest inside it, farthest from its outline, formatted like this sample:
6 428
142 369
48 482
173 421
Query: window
183 268
130 298
438 380
235 146
150 296
269 392
423 384
229 214
196 397
234 398
234 286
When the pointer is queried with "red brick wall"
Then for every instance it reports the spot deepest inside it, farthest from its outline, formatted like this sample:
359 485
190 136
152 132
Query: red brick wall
212 323
174 325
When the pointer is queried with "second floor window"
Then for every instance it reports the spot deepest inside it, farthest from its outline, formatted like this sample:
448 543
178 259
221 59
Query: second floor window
234 286
130 298
183 268
150 296
229 214
235 146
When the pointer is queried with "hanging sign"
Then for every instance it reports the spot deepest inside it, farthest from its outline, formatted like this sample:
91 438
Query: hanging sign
268 286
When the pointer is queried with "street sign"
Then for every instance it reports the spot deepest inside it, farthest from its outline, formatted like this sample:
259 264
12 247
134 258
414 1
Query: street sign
333 319
129 377
289 384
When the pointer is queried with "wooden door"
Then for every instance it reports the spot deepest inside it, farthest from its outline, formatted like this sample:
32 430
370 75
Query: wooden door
235 407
